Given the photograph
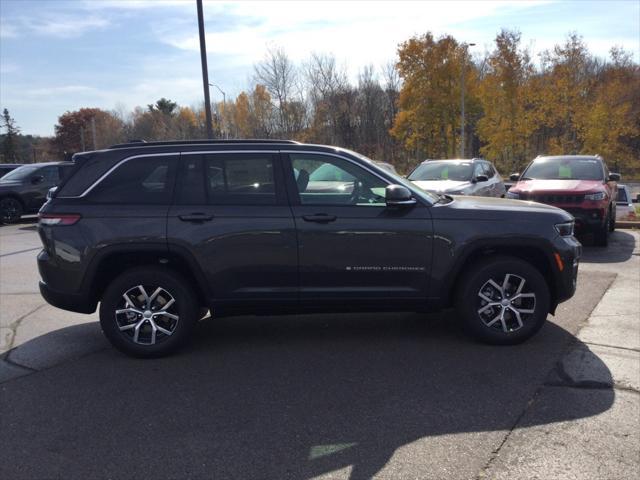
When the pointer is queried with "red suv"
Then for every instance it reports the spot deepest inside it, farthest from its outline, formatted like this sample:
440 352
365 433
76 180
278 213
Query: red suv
579 184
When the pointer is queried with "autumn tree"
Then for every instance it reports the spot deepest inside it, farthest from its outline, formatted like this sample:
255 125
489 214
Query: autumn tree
74 131
506 126
9 146
428 122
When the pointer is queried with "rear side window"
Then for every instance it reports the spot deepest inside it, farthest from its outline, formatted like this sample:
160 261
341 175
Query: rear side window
227 179
141 181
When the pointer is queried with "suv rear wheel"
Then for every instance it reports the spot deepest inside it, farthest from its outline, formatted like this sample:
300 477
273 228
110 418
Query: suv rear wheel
148 312
10 210
502 300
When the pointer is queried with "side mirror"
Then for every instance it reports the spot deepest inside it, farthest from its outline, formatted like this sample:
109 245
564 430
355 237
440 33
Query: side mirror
481 178
37 179
397 195
514 177
614 177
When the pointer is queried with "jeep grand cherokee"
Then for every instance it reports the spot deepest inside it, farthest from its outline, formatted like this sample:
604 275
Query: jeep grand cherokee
579 184
158 233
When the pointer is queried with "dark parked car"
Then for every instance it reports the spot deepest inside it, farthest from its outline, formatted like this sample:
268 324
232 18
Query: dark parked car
459 177
580 184
8 167
24 190
158 233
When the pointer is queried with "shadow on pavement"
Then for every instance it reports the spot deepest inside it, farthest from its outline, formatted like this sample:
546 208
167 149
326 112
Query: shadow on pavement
276 398
620 248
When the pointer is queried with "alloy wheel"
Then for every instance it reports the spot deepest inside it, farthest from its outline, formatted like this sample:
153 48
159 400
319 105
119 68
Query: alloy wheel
10 210
504 304
147 319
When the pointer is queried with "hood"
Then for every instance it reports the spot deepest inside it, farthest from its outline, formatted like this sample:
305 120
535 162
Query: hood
441 185
540 186
491 208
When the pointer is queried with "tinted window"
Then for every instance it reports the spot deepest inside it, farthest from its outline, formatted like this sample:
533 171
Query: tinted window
20 173
50 174
145 181
328 180
240 179
565 168
622 195
190 188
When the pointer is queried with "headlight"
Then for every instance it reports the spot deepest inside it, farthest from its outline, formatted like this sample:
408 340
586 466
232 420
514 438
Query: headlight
513 195
565 229
595 196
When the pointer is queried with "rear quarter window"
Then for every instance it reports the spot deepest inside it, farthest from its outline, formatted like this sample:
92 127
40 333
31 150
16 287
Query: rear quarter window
139 181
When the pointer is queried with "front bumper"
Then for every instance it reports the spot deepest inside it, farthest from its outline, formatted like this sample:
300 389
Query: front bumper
587 219
569 250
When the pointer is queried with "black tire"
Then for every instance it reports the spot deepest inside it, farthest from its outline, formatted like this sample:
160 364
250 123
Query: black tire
10 210
475 282
612 221
185 307
601 235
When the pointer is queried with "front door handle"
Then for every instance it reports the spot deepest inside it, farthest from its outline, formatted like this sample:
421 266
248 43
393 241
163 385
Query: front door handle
195 217
319 218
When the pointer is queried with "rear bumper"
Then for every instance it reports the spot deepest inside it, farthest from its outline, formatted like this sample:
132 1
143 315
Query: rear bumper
67 301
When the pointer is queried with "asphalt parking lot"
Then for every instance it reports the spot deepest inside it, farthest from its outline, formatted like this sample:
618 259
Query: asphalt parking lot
325 396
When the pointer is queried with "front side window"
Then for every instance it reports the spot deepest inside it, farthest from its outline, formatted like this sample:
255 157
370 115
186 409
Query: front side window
141 181
50 175
327 180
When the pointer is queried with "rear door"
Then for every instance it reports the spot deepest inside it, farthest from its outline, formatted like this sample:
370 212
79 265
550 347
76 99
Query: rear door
231 216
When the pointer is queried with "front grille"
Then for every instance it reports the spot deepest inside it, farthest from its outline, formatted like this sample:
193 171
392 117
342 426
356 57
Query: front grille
552 199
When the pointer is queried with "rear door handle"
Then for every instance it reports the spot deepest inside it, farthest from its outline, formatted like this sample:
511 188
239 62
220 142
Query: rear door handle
195 217
319 218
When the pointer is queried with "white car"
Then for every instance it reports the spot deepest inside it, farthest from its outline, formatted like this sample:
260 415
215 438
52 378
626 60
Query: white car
625 209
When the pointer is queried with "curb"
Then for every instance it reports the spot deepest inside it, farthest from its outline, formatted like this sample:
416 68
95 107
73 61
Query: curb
626 224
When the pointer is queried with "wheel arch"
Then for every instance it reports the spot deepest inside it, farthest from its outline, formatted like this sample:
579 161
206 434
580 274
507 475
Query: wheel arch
533 253
109 264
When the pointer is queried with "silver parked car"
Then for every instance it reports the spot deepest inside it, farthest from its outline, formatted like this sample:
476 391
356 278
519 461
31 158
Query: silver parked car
625 209
459 177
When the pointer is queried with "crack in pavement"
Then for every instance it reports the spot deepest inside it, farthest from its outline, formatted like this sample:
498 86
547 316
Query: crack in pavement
13 328
21 251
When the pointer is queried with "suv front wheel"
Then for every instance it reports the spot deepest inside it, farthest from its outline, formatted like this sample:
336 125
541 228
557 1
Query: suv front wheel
148 312
502 300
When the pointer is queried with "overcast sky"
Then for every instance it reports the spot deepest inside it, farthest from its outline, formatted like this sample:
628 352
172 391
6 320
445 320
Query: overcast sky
62 55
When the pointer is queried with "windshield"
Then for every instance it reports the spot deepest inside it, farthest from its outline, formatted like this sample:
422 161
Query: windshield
428 196
19 173
564 168
458 171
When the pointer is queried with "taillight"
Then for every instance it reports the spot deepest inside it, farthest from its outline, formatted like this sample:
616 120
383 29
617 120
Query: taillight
58 219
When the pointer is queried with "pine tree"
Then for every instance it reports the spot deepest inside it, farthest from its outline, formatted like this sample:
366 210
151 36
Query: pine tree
9 143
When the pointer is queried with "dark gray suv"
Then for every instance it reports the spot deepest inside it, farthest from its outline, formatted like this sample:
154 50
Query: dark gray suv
159 233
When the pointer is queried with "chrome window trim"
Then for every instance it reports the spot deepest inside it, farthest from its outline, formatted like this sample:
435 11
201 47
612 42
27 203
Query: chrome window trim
166 154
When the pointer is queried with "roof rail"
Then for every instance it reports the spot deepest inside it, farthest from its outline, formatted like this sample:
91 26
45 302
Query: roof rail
143 143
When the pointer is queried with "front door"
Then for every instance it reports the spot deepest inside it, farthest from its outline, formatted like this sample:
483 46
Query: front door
230 213
354 251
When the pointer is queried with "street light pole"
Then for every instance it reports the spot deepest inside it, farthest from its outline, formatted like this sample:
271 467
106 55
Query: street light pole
462 91
224 109
205 74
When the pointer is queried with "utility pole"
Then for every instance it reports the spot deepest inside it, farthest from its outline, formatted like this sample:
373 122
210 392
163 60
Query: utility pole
205 74
93 131
82 138
462 89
